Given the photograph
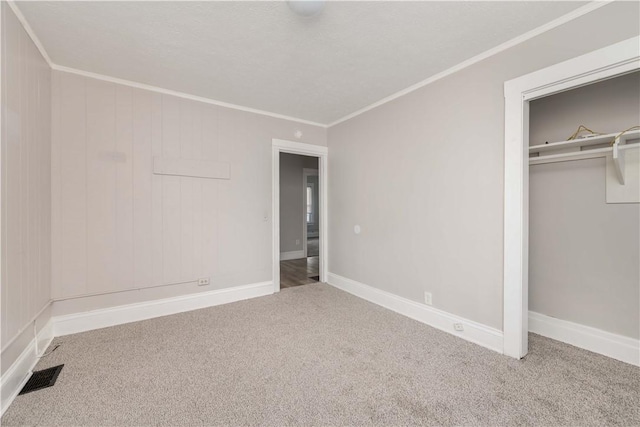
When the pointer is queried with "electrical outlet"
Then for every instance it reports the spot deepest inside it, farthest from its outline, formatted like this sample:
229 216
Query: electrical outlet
204 281
458 327
427 298
297 242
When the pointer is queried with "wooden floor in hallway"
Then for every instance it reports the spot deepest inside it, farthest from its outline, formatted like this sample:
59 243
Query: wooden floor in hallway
296 272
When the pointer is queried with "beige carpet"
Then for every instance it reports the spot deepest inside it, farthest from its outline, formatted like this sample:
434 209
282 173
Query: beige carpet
314 355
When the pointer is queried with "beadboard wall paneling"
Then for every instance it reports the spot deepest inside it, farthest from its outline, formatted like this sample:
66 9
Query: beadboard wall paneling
26 190
119 227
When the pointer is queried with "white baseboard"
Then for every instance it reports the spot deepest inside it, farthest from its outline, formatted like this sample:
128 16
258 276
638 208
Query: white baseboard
615 346
96 319
18 373
285 256
475 332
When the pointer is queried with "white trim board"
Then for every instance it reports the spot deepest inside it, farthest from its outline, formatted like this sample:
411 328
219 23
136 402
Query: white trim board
29 31
598 341
286 256
57 67
112 316
474 332
295 147
18 373
195 168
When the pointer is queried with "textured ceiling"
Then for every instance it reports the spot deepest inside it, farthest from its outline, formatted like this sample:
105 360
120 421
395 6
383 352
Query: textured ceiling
261 55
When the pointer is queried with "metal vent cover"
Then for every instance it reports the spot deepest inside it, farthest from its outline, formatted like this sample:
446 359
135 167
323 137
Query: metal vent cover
42 379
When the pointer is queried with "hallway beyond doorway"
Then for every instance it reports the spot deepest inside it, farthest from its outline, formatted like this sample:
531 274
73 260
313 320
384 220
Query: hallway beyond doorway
298 272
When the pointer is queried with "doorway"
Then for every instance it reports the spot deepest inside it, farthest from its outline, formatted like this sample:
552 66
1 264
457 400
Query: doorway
299 214
299 220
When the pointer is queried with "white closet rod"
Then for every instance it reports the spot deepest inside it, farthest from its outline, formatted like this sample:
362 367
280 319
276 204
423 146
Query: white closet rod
579 155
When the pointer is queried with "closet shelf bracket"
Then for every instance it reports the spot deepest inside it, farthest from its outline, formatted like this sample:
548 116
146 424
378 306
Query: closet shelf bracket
618 159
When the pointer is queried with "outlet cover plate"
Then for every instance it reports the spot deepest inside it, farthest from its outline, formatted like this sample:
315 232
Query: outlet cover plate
428 298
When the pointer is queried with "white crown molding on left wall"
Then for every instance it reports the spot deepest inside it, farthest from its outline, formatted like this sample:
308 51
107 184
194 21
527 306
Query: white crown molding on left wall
29 30
182 95
143 86
471 331
583 10
286 256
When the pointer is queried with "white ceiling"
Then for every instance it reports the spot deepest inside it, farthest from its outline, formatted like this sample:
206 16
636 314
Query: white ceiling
260 55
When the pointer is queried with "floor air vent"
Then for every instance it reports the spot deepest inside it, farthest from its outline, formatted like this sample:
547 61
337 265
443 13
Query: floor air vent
42 379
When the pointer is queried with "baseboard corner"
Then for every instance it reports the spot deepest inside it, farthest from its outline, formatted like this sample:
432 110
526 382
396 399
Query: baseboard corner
608 344
18 373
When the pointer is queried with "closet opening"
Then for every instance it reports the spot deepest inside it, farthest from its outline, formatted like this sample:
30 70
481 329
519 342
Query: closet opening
578 149
584 215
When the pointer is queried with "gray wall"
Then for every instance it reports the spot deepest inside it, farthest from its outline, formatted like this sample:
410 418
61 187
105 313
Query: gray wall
584 253
292 212
26 190
423 176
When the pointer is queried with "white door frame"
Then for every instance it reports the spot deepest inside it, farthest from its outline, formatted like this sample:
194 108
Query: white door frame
605 63
306 172
322 153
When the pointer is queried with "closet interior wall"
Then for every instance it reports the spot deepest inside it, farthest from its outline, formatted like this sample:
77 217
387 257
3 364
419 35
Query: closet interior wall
583 252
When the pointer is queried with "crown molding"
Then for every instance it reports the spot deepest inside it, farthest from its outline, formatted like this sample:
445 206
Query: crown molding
590 7
29 31
54 66
182 95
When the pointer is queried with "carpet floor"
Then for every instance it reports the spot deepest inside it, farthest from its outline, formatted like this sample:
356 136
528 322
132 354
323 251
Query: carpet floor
314 355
